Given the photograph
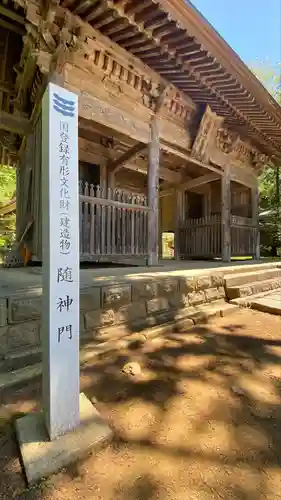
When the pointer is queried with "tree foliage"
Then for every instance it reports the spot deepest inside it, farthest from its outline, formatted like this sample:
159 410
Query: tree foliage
270 211
270 77
270 199
7 192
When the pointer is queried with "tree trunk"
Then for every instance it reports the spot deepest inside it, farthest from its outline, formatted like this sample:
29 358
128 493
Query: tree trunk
277 185
273 252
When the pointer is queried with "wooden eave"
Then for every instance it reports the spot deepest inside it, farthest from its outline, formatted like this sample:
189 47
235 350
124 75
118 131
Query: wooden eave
172 38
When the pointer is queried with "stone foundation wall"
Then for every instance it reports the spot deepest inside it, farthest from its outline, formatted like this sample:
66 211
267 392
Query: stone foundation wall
109 312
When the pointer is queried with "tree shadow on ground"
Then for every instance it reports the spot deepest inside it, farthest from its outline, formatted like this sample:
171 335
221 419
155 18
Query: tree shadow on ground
208 399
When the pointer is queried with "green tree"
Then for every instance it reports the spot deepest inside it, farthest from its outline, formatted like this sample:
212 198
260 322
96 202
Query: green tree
270 201
270 77
7 191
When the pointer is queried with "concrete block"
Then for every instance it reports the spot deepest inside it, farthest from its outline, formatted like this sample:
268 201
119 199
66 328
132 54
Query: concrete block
116 296
227 309
96 319
3 312
21 377
112 332
158 305
245 291
187 284
182 323
3 340
202 282
168 287
178 301
22 335
90 299
195 298
264 286
221 292
252 277
217 279
236 291
42 457
276 284
131 312
203 316
267 305
144 291
17 359
212 294
24 309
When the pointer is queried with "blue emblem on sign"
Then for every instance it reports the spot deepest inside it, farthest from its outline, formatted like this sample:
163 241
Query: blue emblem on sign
63 106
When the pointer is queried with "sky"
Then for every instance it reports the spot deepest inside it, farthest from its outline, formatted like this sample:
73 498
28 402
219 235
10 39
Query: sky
251 27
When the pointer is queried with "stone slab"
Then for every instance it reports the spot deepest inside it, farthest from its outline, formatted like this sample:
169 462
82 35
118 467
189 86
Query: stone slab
90 299
260 275
253 288
269 304
30 278
42 457
22 309
116 296
3 312
144 290
20 377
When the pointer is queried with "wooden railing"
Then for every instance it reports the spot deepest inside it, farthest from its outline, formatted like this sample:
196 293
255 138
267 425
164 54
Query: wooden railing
243 236
201 237
112 223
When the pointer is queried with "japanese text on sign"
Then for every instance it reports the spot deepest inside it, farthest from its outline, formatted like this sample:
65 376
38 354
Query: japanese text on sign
65 201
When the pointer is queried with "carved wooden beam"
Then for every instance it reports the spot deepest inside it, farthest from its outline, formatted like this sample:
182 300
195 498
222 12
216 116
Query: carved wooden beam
14 16
17 124
160 100
6 87
92 152
199 181
132 153
164 172
10 26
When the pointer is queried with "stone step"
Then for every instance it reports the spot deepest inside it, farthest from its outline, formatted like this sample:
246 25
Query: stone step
267 305
183 321
17 378
252 277
253 288
20 359
249 268
243 302
269 302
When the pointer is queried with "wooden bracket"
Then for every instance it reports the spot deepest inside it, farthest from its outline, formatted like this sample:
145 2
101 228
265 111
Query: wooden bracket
12 123
132 153
199 181
161 98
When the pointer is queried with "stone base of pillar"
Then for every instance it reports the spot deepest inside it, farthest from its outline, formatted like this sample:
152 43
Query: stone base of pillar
42 457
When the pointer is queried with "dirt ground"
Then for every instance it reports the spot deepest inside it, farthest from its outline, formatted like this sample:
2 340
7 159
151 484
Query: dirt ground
202 420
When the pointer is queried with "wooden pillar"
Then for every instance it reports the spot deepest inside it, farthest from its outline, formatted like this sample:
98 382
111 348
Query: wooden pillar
225 215
255 218
207 201
110 178
153 193
103 177
179 218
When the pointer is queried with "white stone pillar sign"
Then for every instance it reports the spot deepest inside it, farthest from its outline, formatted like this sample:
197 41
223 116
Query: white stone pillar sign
60 235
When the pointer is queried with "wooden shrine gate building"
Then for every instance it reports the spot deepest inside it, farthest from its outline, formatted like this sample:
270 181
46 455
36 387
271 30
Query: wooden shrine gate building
173 127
